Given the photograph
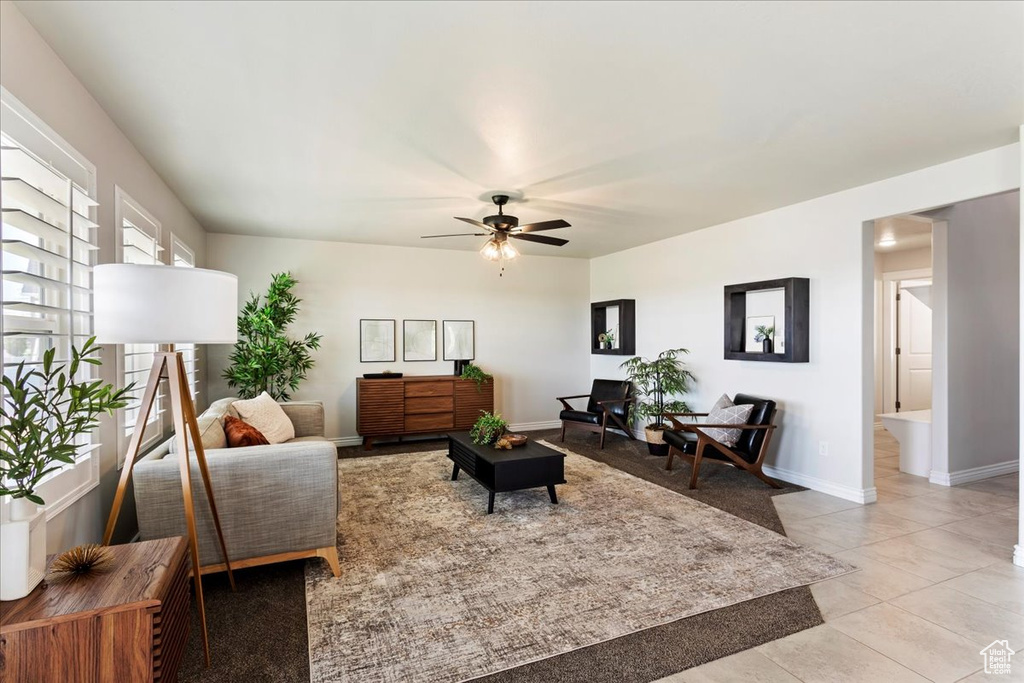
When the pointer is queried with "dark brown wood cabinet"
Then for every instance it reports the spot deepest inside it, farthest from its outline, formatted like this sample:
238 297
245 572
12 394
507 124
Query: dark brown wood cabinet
424 404
128 624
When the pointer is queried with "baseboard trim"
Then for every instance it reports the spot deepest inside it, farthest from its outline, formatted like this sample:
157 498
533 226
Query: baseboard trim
862 496
1018 554
535 426
974 473
342 441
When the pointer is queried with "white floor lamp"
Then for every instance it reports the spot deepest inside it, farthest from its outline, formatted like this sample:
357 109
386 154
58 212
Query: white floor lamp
139 304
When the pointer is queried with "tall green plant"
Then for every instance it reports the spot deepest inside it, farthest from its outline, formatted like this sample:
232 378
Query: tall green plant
265 358
656 382
45 410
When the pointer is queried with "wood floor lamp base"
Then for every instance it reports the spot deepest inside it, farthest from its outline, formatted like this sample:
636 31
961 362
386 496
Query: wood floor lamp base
169 365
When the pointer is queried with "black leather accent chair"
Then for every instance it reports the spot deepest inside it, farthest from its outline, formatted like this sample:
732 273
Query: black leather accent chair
689 441
607 406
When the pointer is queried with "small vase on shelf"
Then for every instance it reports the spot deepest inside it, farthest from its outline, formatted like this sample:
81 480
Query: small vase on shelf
768 346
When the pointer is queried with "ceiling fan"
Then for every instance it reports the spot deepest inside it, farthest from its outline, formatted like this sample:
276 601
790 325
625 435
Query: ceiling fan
501 227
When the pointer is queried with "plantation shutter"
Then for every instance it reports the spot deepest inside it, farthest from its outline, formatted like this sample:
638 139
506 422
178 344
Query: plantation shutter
48 250
183 257
140 244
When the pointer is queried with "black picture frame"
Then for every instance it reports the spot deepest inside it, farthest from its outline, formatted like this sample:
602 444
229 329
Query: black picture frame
796 331
444 339
362 348
405 342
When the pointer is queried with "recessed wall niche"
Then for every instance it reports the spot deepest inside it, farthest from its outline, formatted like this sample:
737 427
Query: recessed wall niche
780 304
619 318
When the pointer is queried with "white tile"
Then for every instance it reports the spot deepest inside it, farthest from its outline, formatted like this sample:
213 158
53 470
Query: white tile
818 544
930 650
927 510
905 484
912 558
836 598
994 529
749 666
804 504
956 545
1001 584
879 522
974 619
877 578
824 655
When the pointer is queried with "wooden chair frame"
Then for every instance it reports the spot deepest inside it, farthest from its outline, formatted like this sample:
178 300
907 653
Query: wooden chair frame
703 440
605 414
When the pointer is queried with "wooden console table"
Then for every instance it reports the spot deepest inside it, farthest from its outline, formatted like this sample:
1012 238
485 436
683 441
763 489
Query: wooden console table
128 624
419 404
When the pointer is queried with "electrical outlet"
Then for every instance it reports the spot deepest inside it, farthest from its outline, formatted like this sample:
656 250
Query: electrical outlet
823 449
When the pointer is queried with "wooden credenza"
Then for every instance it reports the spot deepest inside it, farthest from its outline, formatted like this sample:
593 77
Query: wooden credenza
419 404
128 624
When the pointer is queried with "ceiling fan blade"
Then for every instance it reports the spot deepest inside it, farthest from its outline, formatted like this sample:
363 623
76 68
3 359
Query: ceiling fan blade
461 234
544 225
476 223
542 239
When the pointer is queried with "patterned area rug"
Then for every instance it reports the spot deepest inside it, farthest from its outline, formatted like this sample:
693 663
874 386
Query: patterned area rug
434 589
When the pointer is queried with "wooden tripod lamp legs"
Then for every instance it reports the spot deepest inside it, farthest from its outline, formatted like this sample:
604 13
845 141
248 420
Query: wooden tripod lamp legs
170 365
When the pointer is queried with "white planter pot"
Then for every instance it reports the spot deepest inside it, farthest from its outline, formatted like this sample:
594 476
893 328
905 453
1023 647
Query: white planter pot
22 550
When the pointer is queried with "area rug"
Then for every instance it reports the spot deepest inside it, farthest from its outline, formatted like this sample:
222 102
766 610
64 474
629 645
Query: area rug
434 589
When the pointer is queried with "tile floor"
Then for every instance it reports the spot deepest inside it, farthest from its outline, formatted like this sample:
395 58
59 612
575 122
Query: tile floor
935 585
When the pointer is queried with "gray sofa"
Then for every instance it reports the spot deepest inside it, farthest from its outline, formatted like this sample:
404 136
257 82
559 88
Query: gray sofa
276 503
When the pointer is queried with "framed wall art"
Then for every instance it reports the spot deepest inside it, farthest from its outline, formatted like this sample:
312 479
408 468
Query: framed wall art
459 339
376 340
419 340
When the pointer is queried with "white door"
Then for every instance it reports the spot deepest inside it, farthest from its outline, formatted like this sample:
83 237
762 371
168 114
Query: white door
914 354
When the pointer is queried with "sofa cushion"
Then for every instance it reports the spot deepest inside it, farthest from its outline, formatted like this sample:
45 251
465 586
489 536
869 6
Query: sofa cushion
264 413
211 431
240 433
728 413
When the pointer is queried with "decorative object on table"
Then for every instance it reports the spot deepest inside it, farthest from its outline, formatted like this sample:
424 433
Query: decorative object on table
376 340
617 318
265 357
765 334
488 428
419 340
516 440
46 409
81 562
458 339
656 382
474 372
500 227
607 406
140 304
387 374
788 301
129 623
724 437
503 444
241 434
418 404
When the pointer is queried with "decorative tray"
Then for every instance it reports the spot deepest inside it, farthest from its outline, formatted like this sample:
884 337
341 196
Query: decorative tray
516 439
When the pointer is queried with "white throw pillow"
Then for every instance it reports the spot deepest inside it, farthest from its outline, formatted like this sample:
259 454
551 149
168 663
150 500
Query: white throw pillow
725 412
266 415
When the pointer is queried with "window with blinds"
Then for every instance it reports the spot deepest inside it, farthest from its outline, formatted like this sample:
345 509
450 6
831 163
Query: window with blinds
183 257
139 242
48 251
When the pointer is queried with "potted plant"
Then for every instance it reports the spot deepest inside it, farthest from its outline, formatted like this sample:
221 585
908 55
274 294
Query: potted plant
265 358
656 382
475 373
45 410
488 429
766 335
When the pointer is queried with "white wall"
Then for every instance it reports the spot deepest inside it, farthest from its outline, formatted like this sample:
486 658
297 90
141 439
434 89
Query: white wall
532 324
976 276
34 74
678 285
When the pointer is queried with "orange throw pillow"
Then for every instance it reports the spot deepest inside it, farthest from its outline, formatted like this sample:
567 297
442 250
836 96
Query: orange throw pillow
241 433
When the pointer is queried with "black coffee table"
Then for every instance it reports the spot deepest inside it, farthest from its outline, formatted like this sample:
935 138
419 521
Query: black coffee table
524 467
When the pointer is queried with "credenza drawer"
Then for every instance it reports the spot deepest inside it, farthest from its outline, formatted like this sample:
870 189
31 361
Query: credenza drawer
428 422
428 389
429 404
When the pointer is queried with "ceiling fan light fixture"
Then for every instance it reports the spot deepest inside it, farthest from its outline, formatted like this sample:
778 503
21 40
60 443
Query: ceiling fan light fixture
508 252
491 250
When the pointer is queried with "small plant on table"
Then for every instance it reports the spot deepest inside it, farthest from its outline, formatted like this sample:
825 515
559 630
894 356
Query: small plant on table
488 429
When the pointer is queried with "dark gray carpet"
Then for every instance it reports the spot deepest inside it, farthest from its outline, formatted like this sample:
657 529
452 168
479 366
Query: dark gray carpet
259 633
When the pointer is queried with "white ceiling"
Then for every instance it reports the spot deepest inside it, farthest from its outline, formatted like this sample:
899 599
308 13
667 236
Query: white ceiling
910 232
633 121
